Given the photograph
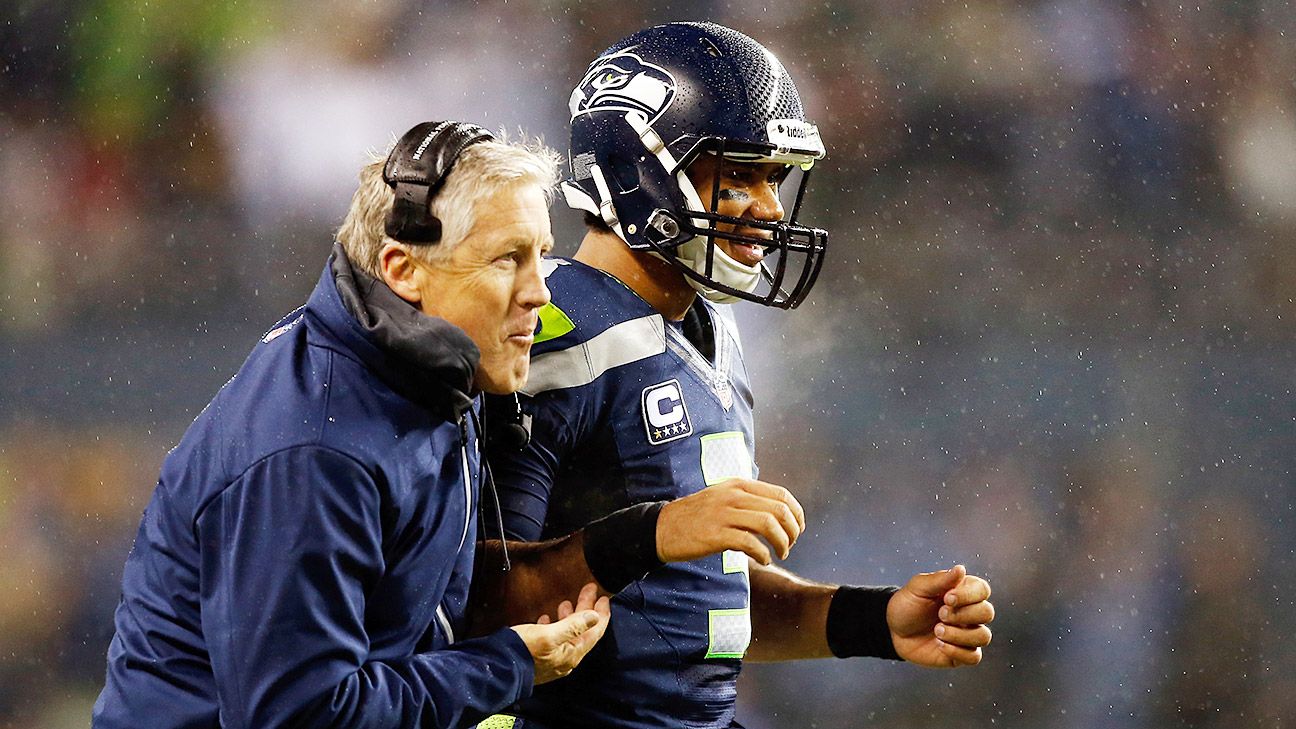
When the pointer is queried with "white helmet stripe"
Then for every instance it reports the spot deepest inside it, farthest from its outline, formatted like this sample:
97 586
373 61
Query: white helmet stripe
606 211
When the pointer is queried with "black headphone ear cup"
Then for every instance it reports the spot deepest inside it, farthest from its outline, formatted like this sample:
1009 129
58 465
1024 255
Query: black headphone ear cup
411 218
416 169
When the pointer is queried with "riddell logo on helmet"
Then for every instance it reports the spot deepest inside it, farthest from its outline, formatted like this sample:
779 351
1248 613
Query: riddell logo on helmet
795 134
793 129
624 82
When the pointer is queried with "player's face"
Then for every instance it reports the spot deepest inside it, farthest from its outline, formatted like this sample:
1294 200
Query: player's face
492 285
747 190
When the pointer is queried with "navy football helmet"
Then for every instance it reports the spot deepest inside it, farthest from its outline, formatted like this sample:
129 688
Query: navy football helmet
655 102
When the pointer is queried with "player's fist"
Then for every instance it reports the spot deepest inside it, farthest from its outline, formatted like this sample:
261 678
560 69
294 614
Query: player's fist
738 514
941 619
558 647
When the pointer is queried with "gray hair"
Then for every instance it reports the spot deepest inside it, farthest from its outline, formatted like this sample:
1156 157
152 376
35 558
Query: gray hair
480 171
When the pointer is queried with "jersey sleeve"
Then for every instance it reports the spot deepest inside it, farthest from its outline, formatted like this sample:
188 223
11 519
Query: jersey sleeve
288 553
524 477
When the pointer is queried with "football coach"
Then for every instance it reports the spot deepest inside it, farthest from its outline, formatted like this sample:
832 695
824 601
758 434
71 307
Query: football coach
306 556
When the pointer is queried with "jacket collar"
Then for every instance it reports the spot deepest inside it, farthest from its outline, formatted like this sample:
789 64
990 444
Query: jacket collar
424 358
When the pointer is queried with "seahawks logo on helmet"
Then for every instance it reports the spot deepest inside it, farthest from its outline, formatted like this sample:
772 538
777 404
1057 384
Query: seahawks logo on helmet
624 82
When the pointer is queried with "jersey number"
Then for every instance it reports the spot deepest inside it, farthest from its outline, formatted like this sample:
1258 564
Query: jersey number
725 456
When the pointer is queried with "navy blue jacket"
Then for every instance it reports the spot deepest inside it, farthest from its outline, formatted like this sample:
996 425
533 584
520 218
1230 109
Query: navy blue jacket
306 555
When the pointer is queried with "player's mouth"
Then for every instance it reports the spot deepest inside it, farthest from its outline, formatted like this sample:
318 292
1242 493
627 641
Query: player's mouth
745 253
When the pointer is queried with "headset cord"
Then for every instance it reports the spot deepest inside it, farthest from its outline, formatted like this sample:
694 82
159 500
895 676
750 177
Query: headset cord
489 478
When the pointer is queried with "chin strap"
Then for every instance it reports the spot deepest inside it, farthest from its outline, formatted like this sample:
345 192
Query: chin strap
693 254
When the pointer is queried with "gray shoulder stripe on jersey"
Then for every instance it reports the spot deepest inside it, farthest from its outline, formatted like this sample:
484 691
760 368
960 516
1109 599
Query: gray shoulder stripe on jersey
629 341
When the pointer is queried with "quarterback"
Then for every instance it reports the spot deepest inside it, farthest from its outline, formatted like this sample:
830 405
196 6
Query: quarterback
641 410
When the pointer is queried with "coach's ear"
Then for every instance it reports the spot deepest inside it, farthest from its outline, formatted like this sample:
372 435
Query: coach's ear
400 272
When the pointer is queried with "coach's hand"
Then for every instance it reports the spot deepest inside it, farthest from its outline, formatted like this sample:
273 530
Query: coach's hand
558 647
939 619
733 514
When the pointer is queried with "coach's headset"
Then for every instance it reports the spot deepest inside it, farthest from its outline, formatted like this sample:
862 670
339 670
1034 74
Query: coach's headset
416 170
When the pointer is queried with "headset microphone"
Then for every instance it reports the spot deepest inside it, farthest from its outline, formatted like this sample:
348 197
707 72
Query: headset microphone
515 431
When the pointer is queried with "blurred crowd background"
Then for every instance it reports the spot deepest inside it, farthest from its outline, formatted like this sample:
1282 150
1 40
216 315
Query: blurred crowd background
1053 339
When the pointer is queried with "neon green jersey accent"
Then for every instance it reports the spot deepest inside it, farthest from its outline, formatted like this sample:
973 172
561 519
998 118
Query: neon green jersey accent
499 721
554 323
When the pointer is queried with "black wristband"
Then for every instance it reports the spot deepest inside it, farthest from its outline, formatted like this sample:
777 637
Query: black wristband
857 623
622 546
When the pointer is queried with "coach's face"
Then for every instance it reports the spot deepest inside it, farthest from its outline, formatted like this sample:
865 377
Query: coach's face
491 287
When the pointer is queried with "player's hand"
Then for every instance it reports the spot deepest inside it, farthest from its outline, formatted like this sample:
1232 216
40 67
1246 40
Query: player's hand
558 647
940 619
734 514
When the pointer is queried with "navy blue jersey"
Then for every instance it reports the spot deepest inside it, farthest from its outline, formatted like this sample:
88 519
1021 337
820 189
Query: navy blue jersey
626 410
